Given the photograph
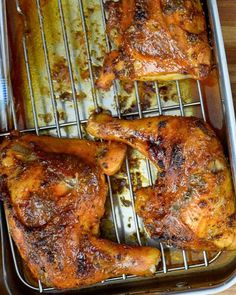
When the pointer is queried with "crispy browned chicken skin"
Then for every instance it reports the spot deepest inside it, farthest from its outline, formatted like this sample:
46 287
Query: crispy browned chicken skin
156 40
192 203
54 192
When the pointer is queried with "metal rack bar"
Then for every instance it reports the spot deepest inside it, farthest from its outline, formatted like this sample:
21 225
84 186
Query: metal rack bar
90 65
45 49
165 269
115 91
108 49
28 71
113 210
185 260
96 106
114 215
72 82
201 100
180 98
158 97
150 178
204 118
133 202
30 85
132 114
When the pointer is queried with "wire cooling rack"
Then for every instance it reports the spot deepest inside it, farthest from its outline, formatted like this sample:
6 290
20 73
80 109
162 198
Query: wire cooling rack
158 107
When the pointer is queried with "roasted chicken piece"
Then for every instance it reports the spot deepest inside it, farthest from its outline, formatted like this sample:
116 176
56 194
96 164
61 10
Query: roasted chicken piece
54 192
156 40
192 203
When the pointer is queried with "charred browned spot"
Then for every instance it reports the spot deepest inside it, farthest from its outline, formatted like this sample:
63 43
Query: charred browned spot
153 150
141 11
156 150
44 183
21 149
60 71
83 265
188 194
3 154
41 242
162 174
203 127
217 237
4 192
118 256
204 71
13 135
125 203
177 158
231 220
197 181
216 166
60 266
142 208
36 211
67 96
171 6
34 257
162 124
192 37
202 204
151 227
50 256
104 165
160 163
176 207
118 185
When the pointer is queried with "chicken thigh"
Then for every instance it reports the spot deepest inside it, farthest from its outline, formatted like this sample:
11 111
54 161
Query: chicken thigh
156 40
54 192
192 204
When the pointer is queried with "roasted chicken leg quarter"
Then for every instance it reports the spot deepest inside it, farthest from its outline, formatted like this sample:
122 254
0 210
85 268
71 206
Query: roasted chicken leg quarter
192 204
54 192
156 40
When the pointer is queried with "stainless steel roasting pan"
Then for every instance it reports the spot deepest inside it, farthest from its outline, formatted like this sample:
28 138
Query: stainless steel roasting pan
55 48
